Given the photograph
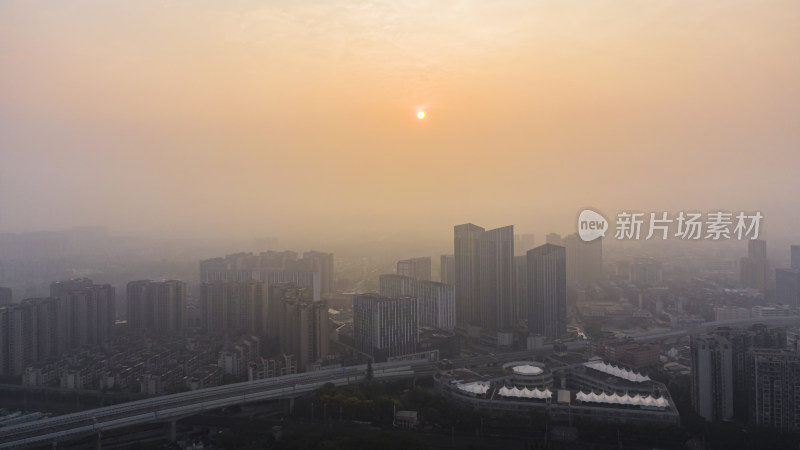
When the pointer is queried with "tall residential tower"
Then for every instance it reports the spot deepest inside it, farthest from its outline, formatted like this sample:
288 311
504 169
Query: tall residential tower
547 291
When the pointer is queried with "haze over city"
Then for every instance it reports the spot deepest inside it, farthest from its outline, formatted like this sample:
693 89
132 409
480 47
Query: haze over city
517 224
299 120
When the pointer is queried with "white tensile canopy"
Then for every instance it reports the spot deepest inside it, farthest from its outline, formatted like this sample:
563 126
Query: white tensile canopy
617 371
524 393
614 399
476 387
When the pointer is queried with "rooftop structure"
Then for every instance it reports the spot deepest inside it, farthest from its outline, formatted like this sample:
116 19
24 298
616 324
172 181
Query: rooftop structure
527 369
545 394
617 371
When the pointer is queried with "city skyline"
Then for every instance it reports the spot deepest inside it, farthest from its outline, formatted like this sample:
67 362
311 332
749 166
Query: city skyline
418 224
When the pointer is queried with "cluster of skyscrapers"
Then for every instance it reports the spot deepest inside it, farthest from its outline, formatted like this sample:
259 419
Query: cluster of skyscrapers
314 270
751 375
302 324
261 294
754 272
389 323
234 301
494 290
275 295
77 313
488 291
158 306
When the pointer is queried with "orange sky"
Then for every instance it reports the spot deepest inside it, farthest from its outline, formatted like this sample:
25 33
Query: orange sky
299 118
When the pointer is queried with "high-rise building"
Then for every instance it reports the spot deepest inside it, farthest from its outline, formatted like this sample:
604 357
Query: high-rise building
774 388
521 285
757 249
795 257
384 326
753 268
498 309
223 269
712 377
305 278
280 294
95 315
234 307
584 260
787 281
158 306
417 268
436 301
547 291
555 239
447 269
46 325
390 285
63 290
437 305
523 243
645 272
5 296
322 263
303 324
787 287
467 273
246 306
315 269
281 297
87 312
31 331
276 260
105 313
214 306
18 335
742 341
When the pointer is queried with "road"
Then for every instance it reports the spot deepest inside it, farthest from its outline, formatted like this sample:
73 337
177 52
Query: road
172 407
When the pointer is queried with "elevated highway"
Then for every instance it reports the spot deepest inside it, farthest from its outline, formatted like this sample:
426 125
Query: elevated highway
170 408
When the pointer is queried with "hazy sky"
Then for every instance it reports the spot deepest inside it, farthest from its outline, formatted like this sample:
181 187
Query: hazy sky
299 118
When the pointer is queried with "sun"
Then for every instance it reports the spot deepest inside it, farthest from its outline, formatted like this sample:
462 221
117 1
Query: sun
421 115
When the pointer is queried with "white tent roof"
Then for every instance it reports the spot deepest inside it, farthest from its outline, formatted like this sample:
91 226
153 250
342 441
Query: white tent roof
527 369
476 387
524 393
615 399
617 371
